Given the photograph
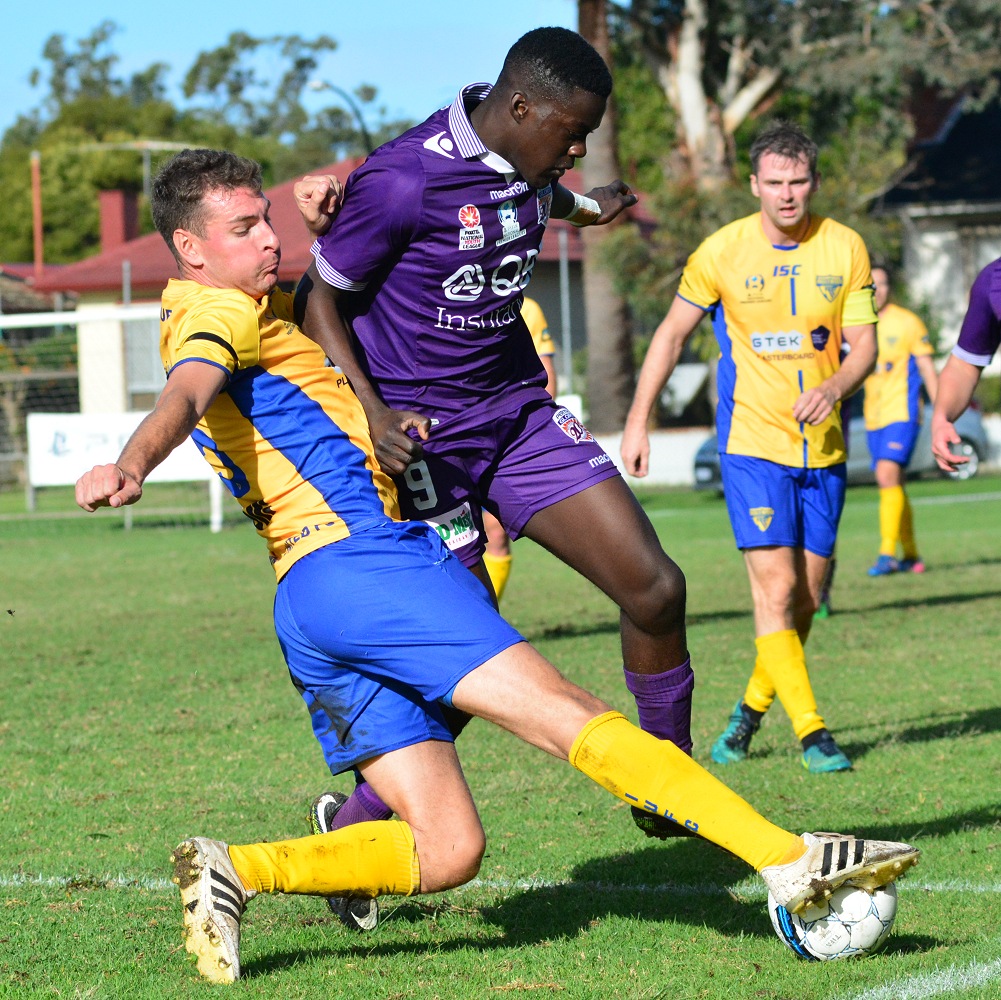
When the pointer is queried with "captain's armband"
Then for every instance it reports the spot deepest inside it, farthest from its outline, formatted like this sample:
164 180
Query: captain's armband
859 309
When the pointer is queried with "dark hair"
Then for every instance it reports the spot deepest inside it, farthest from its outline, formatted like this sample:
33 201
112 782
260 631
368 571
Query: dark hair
782 138
181 184
554 62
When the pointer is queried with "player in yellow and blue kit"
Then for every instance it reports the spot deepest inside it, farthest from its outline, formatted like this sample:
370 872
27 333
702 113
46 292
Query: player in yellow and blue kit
783 289
381 626
892 412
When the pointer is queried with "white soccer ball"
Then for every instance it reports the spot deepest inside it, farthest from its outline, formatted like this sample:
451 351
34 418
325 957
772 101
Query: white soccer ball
852 922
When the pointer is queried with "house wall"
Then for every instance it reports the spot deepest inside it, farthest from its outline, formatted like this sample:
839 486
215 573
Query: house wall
943 253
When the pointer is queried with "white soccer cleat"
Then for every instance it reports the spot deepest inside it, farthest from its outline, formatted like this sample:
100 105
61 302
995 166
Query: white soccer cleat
213 899
832 860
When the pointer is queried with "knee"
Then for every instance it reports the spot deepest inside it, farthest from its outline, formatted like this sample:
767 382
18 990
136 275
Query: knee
452 861
657 603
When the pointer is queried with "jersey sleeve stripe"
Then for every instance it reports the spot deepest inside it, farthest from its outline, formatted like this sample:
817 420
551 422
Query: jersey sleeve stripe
698 305
214 338
980 360
332 276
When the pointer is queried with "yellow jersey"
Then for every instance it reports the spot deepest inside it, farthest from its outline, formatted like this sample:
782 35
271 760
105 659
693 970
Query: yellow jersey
538 327
893 390
287 434
778 313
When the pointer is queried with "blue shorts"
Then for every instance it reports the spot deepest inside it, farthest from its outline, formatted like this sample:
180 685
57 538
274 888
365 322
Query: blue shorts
894 442
514 458
376 629
772 504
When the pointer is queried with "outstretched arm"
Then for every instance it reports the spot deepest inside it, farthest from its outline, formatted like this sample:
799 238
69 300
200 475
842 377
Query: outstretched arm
661 359
316 309
190 391
955 391
596 208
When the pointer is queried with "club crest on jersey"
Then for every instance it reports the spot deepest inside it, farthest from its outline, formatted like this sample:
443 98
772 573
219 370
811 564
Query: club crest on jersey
820 336
571 426
761 516
830 285
471 234
545 196
510 227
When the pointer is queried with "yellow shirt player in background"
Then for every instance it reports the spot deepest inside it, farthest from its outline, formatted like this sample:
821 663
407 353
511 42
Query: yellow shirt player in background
497 557
783 289
893 421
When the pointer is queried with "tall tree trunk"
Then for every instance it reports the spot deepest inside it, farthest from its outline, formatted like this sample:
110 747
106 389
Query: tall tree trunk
610 371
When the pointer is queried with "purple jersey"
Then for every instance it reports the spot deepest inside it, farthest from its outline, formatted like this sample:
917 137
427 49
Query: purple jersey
981 331
436 242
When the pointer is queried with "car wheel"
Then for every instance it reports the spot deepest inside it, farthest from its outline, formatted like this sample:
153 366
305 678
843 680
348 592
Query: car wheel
970 468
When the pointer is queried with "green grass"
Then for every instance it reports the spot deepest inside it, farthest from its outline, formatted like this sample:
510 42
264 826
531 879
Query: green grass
145 700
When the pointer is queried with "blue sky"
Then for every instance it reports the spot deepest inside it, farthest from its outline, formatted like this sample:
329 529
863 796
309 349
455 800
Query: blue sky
416 52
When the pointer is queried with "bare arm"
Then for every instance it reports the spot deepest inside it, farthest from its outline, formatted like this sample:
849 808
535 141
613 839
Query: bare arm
661 359
926 369
817 404
316 305
547 363
190 391
955 391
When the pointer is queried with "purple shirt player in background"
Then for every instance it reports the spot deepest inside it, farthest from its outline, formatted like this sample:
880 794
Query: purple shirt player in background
978 340
416 294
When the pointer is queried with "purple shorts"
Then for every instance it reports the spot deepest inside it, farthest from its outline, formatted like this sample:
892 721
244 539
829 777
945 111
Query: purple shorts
513 461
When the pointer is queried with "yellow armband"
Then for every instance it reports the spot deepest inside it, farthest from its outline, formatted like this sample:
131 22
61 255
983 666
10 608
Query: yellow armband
859 308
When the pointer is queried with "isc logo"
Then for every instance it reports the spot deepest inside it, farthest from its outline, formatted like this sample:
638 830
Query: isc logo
785 270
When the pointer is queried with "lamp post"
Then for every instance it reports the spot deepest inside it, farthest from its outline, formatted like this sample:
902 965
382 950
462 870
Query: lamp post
318 85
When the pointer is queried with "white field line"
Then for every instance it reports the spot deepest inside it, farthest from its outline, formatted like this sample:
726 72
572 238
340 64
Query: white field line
750 888
954 979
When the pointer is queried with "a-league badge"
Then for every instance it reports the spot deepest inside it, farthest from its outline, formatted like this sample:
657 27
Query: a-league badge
510 228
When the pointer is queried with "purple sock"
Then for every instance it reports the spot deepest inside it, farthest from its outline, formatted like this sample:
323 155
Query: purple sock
362 806
664 702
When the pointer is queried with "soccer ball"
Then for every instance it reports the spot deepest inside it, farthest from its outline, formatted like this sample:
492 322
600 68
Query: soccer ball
851 922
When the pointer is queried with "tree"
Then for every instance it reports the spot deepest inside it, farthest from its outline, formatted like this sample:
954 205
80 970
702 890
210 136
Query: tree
721 61
233 104
610 370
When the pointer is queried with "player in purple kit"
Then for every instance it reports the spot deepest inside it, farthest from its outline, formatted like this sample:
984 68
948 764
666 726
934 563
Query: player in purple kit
978 340
416 293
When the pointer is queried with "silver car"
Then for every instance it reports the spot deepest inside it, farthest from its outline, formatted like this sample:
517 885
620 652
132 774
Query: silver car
969 426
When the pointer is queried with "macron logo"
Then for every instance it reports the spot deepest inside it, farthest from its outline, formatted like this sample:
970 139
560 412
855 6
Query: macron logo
441 145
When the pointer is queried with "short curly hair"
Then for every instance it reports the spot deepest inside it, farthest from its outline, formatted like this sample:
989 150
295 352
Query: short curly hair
180 186
555 62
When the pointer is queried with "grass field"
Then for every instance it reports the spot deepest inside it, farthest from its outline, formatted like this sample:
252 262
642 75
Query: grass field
145 700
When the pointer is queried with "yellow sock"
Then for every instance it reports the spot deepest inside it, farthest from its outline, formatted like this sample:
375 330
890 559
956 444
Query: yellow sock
498 569
364 859
907 540
655 775
760 691
891 510
782 657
